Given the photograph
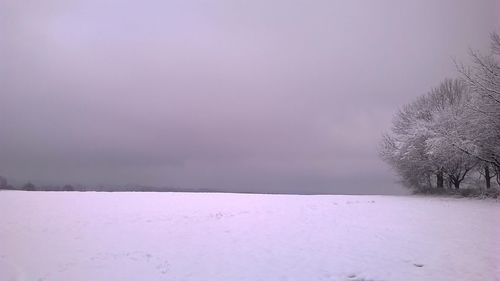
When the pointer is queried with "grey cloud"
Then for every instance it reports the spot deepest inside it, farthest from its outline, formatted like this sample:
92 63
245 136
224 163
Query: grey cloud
244 95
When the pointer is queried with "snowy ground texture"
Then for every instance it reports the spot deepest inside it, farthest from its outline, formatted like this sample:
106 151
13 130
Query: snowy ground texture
77 236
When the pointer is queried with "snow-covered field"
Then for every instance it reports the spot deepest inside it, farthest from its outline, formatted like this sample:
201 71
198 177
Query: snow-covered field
227 237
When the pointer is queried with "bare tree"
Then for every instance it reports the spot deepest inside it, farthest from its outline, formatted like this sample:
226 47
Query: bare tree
452 130
483 138
420 145
448 104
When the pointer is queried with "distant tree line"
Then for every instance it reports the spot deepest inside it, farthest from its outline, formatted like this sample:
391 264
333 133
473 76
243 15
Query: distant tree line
451 135
29 186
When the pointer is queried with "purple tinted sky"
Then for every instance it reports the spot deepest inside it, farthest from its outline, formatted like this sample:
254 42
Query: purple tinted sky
277 95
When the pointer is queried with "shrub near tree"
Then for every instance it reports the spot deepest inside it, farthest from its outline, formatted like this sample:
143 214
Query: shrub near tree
29 187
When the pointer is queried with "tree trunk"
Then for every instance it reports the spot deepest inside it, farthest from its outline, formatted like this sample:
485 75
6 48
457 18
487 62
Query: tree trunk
487 176
439 180
429 181
456 183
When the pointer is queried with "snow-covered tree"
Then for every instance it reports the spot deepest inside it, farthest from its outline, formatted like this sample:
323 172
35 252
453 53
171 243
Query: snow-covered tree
421 141
404 148
483 136
452 130
447 130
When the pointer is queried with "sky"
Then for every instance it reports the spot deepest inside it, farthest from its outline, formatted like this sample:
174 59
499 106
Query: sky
260 96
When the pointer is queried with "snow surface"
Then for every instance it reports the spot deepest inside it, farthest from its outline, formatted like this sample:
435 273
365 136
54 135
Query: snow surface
71 236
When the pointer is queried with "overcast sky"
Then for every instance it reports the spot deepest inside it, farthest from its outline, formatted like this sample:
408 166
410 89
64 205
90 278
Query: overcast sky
261 95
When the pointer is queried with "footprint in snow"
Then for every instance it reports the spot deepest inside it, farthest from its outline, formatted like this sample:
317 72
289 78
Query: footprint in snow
354 277
133 259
